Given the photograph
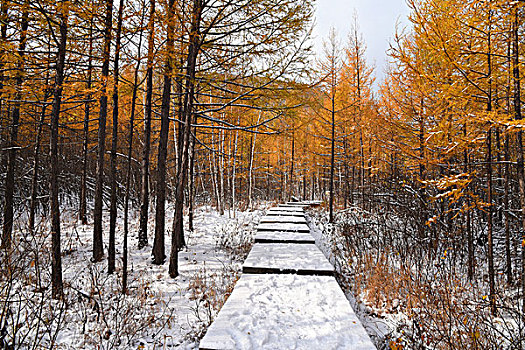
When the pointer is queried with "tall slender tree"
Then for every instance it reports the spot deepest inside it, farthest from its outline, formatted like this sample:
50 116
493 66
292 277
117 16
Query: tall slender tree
56 260
144 192
114 140
159 254
7 227
98 247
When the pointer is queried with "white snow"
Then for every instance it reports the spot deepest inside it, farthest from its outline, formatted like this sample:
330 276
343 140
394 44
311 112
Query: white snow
283 218
159 311
286 312
284 213
287 208
286 226
287 256
279 236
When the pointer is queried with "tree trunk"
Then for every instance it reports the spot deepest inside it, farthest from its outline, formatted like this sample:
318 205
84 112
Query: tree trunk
4 19
98 248
56 260
114 139
188 117
508 255
332 159
517 116
128 167
34 177
470 238
490 253
250 169
160 213
7 228
292 164
144 191
191 199
83 182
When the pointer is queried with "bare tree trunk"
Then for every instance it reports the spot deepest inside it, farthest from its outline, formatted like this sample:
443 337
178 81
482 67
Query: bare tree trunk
220 167
114 139
144 192
470 239
332 160
490 253
160 213
83 182
4 19
38 144
191 199
34 177
188 118
98 248
7 228
234 172
56 260
518 116
250 169
508 255
128 167
292 164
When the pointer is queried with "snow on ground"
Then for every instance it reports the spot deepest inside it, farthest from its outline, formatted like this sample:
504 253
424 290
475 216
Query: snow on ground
158 312
286 312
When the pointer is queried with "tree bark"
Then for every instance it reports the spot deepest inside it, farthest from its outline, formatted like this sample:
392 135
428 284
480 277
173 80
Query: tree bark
98 248
160 213
7 228
490 253
34 177
114 139
188 117
56 260
518 116
144 192
128 166
87 111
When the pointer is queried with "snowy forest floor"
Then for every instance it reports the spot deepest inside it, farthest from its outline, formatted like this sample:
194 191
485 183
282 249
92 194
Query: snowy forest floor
158 312
428 307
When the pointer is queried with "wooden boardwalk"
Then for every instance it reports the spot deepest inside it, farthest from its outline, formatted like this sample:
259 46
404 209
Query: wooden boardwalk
287 297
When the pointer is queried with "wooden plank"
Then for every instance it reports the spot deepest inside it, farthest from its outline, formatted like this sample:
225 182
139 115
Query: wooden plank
284 213
305 203
287 208
283 219
284 237
286 226
300 259
276 311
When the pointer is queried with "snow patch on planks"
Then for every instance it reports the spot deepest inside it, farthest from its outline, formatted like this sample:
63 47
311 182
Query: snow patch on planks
283 218
283 226
285 213
286 312
284 237
288 258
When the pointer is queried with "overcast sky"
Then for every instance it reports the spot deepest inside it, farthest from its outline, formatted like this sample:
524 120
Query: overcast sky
376 18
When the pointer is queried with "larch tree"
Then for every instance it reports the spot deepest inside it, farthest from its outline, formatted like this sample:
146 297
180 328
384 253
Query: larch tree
98 246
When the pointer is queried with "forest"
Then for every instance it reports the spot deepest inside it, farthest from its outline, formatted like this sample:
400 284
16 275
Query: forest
135 133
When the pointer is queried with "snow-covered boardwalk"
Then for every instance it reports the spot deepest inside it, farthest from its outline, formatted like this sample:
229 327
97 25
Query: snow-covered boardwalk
287 297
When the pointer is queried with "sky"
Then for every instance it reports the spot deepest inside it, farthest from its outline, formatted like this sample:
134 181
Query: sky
376 19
